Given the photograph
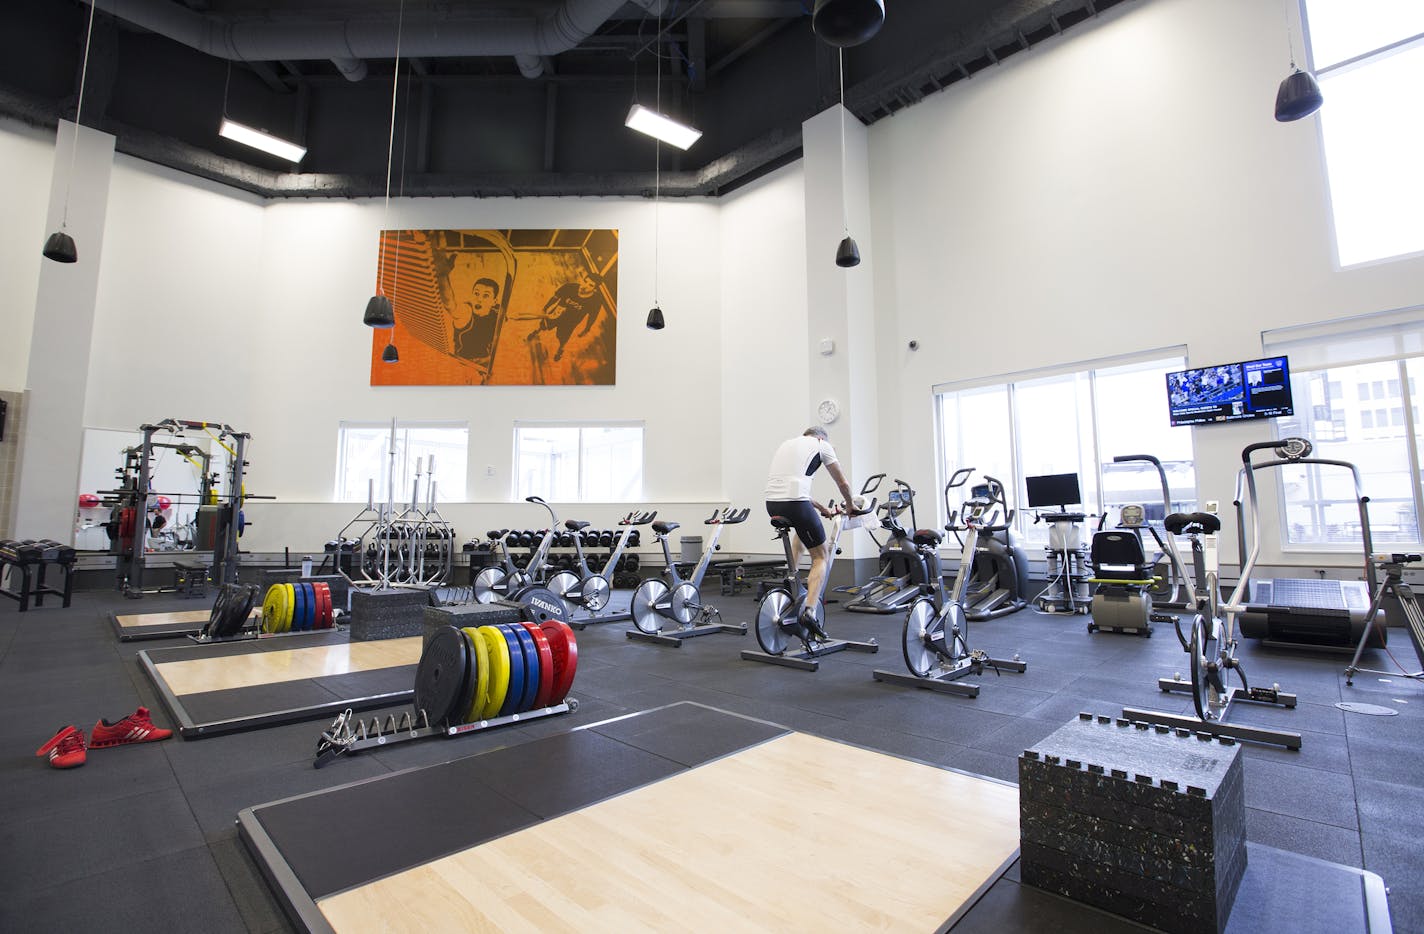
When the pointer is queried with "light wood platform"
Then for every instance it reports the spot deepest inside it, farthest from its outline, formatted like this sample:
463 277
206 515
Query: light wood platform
259 668
796 834
138 620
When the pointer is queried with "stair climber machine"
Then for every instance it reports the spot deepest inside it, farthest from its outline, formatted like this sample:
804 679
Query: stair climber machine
998 574
588 591
1328 615
902 574
1211 646
936 634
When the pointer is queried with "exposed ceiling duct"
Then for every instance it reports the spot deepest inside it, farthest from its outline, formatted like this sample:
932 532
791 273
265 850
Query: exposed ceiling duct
347 41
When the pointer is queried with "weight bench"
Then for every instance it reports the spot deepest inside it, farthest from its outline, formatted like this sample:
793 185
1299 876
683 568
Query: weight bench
29 557
190 578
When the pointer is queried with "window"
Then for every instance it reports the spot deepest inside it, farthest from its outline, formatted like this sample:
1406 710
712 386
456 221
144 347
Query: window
1369 58
588 463
364 463
1319 510
1071 421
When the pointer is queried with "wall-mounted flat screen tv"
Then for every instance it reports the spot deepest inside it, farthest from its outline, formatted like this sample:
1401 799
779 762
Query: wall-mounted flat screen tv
1230 392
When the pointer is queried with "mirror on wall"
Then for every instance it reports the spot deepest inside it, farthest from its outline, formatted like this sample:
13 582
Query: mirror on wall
176 486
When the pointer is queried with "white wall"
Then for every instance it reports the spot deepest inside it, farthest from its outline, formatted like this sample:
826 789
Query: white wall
1107 193
1103 193
28 157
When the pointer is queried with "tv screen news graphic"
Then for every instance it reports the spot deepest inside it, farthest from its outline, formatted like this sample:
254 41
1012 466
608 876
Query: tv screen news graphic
1230 392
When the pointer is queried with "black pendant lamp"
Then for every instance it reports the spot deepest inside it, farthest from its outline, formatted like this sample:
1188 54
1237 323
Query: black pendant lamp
655 319
1298 96
846 23
848 254
380 313
59 246
390 354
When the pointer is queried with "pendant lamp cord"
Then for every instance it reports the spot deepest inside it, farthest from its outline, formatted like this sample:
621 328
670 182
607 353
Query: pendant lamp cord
78 111
845 208
1290 38
391 146
657 154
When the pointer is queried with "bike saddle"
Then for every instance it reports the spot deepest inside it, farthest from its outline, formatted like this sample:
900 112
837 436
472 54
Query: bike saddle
663 528
1191 522
780 523
573 525
927 537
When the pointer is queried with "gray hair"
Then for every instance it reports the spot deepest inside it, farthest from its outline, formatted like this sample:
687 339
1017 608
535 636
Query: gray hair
816 431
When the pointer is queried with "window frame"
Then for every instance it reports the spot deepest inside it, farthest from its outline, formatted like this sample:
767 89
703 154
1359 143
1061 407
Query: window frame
1322 74
1092 487
581 425
403 473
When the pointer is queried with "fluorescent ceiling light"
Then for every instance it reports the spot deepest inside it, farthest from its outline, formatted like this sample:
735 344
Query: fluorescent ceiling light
263 141
666 129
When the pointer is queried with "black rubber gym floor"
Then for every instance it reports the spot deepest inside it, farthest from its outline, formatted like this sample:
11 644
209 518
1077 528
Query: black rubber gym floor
143 837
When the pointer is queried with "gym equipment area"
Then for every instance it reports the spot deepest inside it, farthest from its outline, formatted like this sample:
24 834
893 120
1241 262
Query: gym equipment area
711 466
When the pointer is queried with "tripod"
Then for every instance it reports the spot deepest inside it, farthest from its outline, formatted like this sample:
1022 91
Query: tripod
1392 585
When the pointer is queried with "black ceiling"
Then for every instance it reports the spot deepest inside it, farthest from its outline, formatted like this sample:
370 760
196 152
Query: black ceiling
496 97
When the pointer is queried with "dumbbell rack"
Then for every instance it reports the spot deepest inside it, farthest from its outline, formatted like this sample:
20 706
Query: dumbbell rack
348 735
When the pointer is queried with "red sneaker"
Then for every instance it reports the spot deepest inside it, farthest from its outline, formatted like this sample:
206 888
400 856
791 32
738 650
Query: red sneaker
66 750
137 727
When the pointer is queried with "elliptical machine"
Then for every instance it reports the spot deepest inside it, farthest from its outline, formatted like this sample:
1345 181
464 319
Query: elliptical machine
998 570
936 633
902 567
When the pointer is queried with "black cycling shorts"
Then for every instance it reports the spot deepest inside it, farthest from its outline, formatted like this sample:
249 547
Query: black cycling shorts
803 518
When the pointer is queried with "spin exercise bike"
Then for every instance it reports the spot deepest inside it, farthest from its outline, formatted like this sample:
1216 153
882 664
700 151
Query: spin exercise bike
678 600
588 589
523 585
936 634
779 610
1212 643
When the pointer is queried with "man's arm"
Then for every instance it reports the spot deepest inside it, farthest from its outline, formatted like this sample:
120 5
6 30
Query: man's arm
834 469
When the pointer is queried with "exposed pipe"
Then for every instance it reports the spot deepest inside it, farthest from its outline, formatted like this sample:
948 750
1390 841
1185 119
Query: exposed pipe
348 42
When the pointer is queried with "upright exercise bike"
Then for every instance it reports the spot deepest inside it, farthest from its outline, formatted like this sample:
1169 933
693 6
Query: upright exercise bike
936 633
589 589
778 619
1211 643
678 600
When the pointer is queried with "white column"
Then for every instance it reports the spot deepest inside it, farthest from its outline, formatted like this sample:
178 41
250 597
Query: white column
841 301
48 482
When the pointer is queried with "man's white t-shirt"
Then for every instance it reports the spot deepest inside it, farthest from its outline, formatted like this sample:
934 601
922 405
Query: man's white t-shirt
793 465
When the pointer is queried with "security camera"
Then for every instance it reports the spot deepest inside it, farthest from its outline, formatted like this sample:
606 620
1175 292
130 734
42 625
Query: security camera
914 345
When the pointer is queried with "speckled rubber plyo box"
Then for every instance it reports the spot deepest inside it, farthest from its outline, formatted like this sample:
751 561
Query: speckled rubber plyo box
1145 821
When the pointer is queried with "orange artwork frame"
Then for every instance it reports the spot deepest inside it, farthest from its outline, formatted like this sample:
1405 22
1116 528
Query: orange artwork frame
499 307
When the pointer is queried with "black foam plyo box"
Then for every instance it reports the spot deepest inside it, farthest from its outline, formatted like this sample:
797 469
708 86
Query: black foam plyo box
1140 820
465 615
387 614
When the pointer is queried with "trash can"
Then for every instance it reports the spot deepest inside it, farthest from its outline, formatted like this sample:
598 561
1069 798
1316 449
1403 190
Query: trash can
691 549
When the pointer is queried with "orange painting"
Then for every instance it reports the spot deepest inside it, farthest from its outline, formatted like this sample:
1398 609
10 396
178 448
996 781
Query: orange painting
498 307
